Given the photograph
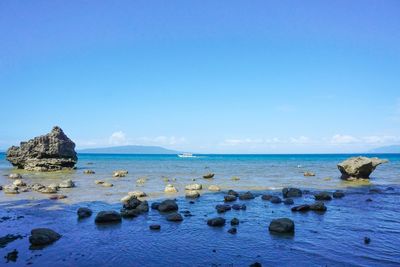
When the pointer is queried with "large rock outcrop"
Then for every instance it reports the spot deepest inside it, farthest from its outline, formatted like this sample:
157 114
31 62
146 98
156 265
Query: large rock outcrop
359 167
50 152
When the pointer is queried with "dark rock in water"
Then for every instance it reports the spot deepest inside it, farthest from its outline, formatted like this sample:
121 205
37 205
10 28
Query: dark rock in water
208 175
359 167
368 200
291 192
168 205
375 191
143 207
266 197
108 216
256 264
232 231
318 206
130 202
57 197
50 152
174 217
130 213
276 200
323 196
235 221
390 188
155 227
288 201
12 256
282 225
301 208
338 194
246 196
230 198
233 193
367 240
4 240
239 207
43 237
155 205
216 222
84 212
191 202
221 208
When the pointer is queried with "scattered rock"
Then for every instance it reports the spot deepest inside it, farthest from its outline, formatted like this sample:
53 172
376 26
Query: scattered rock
57 197
19 182
84 212
43 237
235 178
368 200
12 256
143 207
323 196
232 231
109 216
309 174
291 192
359 167
214 188
170 189
137 194
174 217
276 200
168 205
221 208
282 225
192 194
367 240
318 206
208 175
99 182
4 240
194 187
15 176
338 194
266 197
88 172
67 184
105 184
233 193
130 202
301 208
216 222
246 196
50 152
288 201
239 207
141 180
230 198
120 173
10 189
155 227
235 221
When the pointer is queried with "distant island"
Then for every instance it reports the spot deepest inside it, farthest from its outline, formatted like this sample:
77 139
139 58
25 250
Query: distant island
132 149
386 149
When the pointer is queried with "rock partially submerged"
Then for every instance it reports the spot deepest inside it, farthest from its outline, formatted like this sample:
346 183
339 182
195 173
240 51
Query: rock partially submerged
50 152
43 236
108 216
216 222
84 212
170 189
282 225
359 167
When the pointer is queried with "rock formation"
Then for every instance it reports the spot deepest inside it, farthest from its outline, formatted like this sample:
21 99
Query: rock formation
50 152
359 167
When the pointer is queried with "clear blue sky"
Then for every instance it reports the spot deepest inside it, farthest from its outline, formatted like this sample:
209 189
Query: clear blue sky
203 76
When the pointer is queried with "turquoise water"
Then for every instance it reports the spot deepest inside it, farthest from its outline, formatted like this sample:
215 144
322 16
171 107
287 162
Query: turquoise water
334 238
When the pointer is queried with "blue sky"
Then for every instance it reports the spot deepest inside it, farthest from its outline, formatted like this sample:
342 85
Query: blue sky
203 76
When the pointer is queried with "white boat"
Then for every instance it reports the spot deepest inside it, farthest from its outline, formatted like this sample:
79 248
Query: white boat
186 155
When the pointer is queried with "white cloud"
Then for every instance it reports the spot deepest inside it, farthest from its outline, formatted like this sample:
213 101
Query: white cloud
300 140
344 139
162 140
118 138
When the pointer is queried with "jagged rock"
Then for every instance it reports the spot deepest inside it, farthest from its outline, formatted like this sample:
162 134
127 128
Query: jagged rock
50 152
109 216
193 187
282 225
214 188
291 192
66 184
170 189
84 212
359 167
43 236
120 173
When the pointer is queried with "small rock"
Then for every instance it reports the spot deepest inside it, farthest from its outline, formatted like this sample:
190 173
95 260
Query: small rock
235 221
246 196
338 194
141 180
120 173
84 212
230 198
276 200
129 213
233 193
43 237
143 207
318 206
15 176
57 197
221 208
208 175
108 216
168 205
216 222
67 184
256 264
12 256
367 240
88 172
105 184
288 201
194 187
155 205
301 208
323 196
232 231
235 178
368 200
214 188
170 189
266 197
309 174
130 202
19 182
291 192
192 194
4 240
282 225
155 227
239 207
99 182
137 194
174 217
10 189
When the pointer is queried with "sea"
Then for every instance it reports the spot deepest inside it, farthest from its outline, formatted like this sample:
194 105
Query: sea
370 209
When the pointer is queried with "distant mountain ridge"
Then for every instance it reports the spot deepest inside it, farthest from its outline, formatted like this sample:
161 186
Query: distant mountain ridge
132 149
386 149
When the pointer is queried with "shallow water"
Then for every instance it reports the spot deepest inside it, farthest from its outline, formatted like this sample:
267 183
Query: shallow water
334 238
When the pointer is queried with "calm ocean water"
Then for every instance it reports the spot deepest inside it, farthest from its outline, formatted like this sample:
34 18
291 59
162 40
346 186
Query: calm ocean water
334 238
